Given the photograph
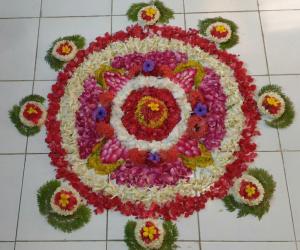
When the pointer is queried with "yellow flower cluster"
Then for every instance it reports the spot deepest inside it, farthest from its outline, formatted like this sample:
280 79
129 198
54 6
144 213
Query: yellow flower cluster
154 105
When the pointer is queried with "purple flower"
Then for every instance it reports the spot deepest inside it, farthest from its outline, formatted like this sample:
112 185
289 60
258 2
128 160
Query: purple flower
200 109
148 65
154 157
100 113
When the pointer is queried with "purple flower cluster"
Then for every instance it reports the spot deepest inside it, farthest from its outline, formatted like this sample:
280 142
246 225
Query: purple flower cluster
215 100
85 120
131 174
168 58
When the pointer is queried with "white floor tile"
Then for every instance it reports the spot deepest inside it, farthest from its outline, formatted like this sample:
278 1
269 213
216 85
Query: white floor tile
188 228
120 7
18 48
116 245
282 35
268 140
76 7
291 161
188 245
121 22
289 136
36 143
16 8
218 224
32 225
60 245
278 4
116 225
248 245
53 28
11 168
250 51
7 246
10 94
216 5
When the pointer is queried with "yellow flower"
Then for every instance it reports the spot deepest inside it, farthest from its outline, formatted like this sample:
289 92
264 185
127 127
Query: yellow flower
31 110
150 11
149 232
66 49
221 28
153 106
273 101
64 200
250 190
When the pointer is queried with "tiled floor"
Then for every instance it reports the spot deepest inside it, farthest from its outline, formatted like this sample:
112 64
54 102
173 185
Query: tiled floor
269 44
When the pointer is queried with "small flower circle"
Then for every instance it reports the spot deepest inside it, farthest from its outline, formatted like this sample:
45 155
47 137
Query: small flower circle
149 234
64 50
65 201
219 32
248 190
271 104
32 114
148 15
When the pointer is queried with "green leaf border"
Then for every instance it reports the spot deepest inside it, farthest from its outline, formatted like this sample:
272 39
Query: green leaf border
203 25
259 210
165 13
54 62
287 118
68 223
169 239
14 116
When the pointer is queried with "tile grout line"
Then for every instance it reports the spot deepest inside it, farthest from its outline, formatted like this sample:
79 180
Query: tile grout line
27 139
108 15
287 188
280 146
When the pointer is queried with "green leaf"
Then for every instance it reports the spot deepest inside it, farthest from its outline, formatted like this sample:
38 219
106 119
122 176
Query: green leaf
15 119
54 62
33 98
134 9
44 196
72 222
165 13
203 25
259 210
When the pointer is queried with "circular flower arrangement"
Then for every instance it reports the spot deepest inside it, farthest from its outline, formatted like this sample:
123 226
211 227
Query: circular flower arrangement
150 234
248 190
64 50
134 116
32 114
65 201
62 206
219 30
148 15
251 193
29 115
275 106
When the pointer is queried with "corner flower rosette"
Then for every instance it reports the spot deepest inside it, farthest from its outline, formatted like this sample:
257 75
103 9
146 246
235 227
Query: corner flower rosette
251 193
63 50
30 115
275 107
150 13
62 206
151 234
219 30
